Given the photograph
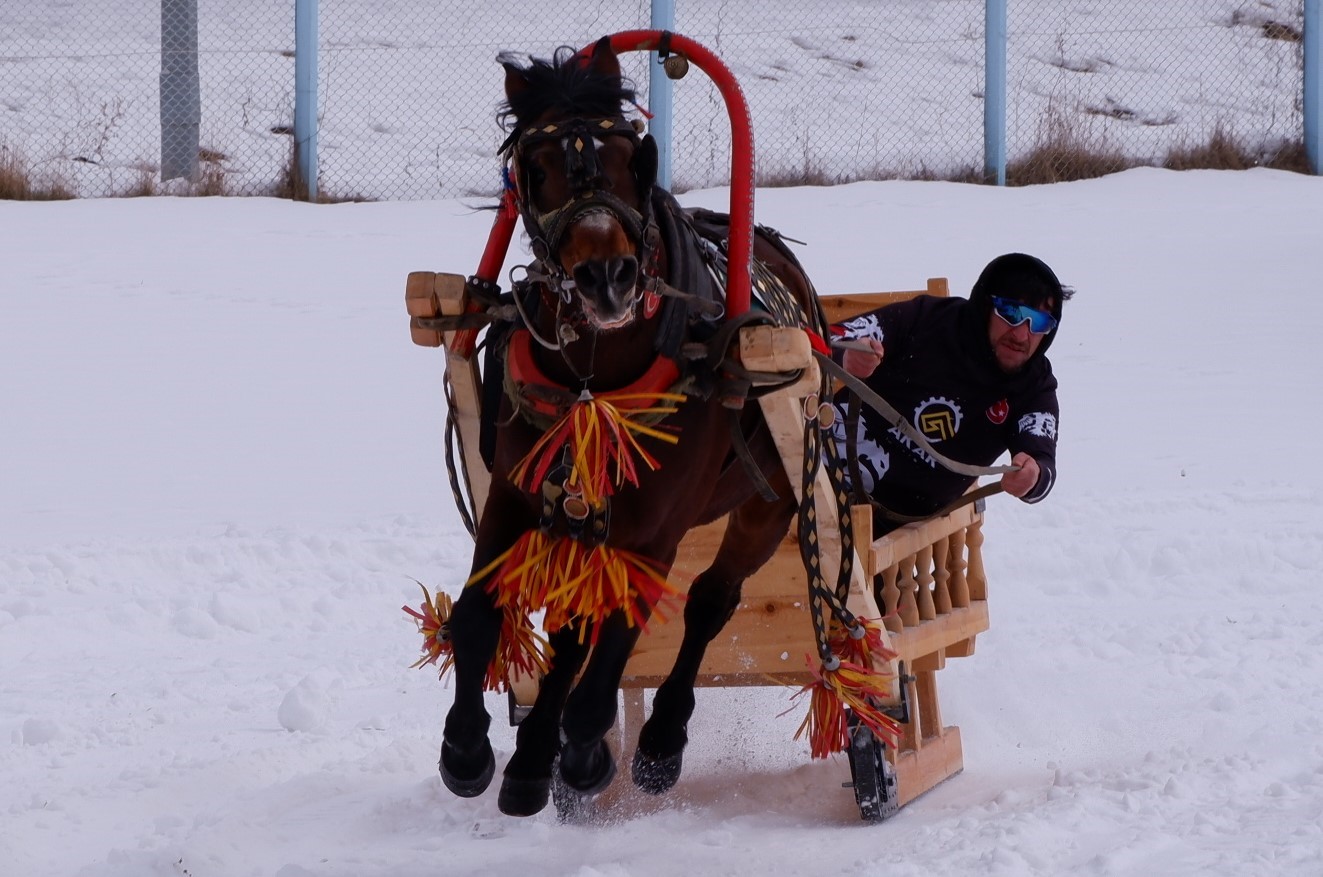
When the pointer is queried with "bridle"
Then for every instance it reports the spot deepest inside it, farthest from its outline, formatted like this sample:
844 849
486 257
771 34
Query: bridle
590 194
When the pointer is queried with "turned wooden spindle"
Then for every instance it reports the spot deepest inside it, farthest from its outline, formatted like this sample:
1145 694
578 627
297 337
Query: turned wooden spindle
956 562
908 608
891 599
923 562
978 581
942 575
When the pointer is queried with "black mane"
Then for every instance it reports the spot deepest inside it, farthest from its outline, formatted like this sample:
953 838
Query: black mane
565 86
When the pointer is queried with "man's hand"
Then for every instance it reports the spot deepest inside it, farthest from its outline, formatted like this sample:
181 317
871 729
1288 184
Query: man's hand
862 363
1022 481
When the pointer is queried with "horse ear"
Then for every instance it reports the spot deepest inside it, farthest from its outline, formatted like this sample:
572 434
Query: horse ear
516 83
604 59
645 165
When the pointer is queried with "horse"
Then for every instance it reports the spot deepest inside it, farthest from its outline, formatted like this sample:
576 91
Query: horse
621 334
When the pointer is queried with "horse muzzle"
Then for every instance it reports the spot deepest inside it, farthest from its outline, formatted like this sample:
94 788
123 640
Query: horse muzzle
608 290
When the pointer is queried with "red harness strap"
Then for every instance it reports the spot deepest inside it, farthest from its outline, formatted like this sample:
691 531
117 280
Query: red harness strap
660 377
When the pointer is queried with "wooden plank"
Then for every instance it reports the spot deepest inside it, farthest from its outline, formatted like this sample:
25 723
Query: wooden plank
840 308
466 396
919 770
912 538
928 637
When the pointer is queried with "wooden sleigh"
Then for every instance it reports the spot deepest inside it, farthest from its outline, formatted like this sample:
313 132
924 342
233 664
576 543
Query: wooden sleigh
926 580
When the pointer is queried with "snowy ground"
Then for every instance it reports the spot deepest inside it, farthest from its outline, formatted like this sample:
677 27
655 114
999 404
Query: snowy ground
220 473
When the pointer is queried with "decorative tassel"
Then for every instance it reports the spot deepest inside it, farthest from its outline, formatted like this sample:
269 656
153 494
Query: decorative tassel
433 620
863 650
603 441
576 584
520 652
853 684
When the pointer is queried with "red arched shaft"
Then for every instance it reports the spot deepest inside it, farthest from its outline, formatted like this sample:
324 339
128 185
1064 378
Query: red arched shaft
741 159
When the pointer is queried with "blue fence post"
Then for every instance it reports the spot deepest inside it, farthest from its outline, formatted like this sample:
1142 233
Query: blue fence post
181 100
1313 99
305 93
660 93
994 91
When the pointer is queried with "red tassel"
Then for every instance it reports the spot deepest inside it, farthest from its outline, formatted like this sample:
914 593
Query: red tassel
576 584
855 685
603 442
433 620
520 651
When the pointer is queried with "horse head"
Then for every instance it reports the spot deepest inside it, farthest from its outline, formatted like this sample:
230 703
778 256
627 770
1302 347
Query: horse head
584 178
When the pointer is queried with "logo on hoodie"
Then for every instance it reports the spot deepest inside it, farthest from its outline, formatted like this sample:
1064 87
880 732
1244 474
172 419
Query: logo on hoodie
998 412
937 419
1039 423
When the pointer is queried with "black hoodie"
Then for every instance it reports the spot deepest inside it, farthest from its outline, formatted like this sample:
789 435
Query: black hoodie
939 370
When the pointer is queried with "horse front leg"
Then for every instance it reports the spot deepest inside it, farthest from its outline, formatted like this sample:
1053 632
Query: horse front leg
467 762
527 783
586 764
753 533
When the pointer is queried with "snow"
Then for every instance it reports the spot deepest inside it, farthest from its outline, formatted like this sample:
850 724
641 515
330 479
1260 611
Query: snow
221 477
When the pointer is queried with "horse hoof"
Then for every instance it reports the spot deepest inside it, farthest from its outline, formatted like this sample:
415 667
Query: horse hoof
656 776
521 797
456 780
589 774
572 806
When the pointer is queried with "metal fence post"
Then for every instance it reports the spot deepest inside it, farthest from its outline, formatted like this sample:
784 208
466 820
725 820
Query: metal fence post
1313 99
660 93
181 102
994 91
305 93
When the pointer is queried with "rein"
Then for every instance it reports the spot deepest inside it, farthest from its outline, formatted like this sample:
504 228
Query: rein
896 419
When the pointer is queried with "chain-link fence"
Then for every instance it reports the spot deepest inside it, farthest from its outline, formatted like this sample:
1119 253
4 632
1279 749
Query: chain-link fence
838 89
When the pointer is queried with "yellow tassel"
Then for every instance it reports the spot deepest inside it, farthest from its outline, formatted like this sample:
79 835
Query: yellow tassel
855 685
433 620
603 441
576 584
519 652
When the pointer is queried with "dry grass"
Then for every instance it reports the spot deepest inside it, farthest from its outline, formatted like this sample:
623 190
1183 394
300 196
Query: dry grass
18 183
1222 151
1067 147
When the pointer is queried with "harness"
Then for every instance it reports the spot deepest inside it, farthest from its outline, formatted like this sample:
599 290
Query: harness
578 139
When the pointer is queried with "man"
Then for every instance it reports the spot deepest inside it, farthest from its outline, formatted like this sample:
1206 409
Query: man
972 376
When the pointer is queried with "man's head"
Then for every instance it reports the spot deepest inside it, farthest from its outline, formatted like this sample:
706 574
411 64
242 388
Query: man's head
1020 301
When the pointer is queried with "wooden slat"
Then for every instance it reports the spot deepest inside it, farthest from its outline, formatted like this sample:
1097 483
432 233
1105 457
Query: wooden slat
840 308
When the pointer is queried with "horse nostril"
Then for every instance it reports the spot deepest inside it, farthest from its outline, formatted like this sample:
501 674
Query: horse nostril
624 272
588 276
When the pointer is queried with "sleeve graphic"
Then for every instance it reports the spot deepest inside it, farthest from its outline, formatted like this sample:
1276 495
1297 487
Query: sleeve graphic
866 326
1039 423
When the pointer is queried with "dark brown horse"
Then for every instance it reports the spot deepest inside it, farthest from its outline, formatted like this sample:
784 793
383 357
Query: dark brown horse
602 319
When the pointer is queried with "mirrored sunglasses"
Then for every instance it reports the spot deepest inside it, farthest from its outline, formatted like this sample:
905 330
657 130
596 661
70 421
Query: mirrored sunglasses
1015 313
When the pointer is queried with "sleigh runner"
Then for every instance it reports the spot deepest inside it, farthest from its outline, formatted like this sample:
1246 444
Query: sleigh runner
925 580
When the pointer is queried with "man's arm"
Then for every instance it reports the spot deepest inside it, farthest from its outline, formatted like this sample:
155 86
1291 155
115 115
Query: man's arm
1034 479
1033 447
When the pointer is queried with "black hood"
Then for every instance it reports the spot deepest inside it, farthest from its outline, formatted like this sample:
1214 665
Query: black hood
1021 277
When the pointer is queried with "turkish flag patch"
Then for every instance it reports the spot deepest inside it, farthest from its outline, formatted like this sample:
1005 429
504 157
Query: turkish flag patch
997 411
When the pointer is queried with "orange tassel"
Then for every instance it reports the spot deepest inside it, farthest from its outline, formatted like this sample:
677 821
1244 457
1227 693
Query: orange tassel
520 651
433 620
855 685
603 441
576 584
